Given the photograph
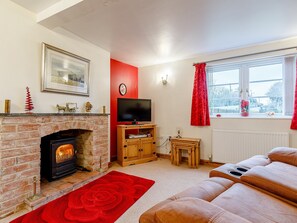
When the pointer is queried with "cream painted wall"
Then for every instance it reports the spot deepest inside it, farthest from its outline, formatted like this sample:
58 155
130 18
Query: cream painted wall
20 62
172 103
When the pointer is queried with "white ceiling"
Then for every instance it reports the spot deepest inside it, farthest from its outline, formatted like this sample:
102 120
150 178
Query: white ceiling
147 32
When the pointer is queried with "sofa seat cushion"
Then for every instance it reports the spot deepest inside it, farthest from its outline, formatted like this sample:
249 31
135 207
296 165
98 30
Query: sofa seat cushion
284 154
277 178
284 168
194 210
255 206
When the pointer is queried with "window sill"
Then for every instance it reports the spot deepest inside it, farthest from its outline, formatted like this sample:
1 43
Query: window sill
229 116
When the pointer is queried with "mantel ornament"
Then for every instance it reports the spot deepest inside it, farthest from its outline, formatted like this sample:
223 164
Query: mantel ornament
61 108
70 107
88 106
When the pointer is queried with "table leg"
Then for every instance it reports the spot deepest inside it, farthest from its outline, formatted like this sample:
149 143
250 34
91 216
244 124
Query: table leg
172 154
193 157
197 155
189 158
177 156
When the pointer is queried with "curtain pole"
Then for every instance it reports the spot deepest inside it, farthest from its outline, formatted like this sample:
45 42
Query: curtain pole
246 55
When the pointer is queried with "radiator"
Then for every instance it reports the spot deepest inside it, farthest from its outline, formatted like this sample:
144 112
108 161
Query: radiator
232 146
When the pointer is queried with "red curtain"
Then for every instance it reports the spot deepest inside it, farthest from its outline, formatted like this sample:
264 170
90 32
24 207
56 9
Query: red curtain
294 120
200 110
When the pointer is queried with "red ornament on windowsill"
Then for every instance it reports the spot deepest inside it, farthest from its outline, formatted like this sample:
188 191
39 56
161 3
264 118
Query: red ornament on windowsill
29 104
244 114
244 108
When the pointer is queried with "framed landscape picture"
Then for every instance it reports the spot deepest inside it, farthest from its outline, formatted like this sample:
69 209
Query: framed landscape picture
64 72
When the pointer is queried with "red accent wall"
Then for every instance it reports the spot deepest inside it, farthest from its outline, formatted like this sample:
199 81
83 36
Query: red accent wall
120 73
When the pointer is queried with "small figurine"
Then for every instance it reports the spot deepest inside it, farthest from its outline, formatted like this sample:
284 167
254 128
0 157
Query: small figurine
271 113
178 134
29 104
71 107
88 106
61 108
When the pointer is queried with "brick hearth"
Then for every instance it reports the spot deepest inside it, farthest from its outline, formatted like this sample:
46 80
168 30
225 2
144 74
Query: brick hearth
20 136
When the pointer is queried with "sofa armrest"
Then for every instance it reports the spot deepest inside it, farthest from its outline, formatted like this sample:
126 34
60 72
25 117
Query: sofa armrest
205 190
195 210
284 154
149 215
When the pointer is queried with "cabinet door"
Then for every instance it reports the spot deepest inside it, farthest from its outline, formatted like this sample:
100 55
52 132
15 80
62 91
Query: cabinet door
147 148
132 150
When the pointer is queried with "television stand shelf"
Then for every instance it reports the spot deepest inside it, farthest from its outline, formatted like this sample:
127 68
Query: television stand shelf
139 148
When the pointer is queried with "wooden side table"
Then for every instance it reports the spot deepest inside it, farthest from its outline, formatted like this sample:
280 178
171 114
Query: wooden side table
192 145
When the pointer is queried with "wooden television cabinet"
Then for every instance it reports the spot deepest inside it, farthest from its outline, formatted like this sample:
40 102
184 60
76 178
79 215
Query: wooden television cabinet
136 144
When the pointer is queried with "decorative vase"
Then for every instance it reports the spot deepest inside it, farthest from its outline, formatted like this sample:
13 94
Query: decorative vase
244 107
244 114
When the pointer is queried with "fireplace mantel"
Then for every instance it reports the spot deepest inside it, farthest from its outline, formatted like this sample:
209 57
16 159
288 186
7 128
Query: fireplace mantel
20 138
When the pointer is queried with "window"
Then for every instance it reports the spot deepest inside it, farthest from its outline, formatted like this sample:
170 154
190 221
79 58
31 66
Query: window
223 91
266 89
267 84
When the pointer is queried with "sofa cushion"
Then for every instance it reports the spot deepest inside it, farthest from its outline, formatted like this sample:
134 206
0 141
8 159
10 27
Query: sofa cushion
255 206
286 169
194 210
284 154
275 180
258 160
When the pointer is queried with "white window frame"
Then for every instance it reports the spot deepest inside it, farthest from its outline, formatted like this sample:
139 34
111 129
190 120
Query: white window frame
219 68
288 78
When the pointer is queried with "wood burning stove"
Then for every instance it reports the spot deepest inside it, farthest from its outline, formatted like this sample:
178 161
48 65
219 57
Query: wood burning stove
58 157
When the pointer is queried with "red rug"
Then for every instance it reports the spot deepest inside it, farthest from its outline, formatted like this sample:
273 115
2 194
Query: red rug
103 200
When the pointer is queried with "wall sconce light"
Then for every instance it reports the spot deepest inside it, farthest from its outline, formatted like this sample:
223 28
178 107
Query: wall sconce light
164 81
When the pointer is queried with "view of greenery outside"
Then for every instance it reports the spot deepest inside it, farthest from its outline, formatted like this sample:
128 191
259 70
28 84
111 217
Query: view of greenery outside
265 90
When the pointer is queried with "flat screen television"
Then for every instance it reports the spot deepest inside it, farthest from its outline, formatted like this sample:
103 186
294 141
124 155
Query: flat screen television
134 110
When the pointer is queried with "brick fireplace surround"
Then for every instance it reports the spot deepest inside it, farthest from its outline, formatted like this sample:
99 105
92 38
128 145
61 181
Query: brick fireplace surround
20 136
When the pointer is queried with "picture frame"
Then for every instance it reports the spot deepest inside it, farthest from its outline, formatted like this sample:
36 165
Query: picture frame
64 72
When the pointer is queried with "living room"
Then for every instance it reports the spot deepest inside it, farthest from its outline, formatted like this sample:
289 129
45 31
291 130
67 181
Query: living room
21 53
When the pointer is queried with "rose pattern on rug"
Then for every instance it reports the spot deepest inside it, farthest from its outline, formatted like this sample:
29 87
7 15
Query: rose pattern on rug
103 200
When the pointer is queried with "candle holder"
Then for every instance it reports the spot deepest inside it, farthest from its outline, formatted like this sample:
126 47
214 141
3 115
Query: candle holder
7 106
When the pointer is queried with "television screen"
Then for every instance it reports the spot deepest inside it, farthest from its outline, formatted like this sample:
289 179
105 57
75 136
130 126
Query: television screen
135 110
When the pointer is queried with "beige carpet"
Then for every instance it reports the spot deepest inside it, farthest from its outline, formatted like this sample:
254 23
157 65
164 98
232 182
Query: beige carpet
169 180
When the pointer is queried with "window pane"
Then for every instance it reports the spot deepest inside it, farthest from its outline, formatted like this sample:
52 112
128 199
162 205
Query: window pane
223 92
266 104
226 77
266 89
268 72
